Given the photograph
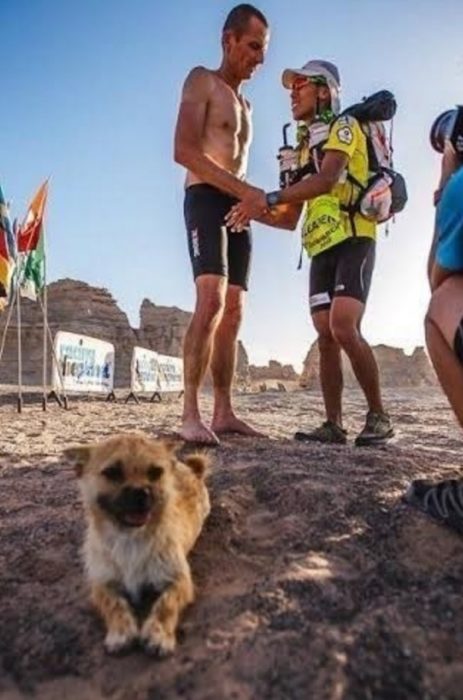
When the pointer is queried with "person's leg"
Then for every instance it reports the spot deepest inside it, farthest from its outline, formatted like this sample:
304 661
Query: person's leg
204 208
239 249
330 367
197 350
443 500
445 314
223 363
346 316
321 284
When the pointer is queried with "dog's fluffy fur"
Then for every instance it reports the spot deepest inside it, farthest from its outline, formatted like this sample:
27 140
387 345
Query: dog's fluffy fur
145 510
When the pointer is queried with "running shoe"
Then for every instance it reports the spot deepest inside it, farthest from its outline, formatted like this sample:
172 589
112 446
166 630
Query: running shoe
378 428
442 501
328 432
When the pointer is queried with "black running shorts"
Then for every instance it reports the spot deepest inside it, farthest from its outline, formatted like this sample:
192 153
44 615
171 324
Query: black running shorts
342 271
458 342
215 249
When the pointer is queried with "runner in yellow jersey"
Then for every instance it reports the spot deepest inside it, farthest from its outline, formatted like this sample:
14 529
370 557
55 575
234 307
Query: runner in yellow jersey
332 166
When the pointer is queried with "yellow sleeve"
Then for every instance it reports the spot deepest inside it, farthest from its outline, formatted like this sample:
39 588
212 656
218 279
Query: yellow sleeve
343 136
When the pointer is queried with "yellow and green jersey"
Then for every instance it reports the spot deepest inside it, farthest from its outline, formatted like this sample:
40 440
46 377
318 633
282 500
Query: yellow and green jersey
326 223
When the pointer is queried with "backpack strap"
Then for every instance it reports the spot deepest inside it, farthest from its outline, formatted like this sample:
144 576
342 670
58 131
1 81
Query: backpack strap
352 208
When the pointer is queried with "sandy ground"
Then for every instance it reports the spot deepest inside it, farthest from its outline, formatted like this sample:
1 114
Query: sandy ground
313 579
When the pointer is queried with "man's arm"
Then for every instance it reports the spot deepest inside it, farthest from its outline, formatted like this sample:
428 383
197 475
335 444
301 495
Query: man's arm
191 122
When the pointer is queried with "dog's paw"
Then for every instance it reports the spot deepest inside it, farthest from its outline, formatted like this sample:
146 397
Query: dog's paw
122 637
156 641
118 643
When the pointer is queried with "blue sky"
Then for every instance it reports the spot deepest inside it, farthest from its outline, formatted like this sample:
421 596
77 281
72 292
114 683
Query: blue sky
90 95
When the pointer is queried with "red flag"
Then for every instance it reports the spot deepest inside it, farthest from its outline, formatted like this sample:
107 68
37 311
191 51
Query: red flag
30 229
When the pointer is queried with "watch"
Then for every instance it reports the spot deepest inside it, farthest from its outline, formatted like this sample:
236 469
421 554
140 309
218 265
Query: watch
273 198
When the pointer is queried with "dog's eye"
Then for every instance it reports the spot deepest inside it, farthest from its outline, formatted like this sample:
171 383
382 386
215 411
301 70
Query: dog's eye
114 472
154 473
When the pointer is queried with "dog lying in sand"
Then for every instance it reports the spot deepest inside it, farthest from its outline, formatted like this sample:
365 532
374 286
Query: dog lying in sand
144 511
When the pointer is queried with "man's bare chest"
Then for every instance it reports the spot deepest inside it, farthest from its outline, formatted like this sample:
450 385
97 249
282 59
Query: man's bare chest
229 114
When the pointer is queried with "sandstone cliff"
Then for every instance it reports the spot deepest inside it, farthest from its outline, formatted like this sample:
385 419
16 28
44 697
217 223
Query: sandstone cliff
273 371
395 367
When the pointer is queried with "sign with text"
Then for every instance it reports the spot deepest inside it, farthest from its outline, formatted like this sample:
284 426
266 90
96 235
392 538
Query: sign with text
86 364
144 371
170 373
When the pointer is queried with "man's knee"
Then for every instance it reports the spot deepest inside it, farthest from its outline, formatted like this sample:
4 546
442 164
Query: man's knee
209 308
344 331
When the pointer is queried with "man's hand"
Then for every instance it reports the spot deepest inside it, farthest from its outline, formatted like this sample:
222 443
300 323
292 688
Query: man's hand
252 206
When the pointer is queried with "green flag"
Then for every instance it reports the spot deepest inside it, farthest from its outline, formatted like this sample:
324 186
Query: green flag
33 273
31 246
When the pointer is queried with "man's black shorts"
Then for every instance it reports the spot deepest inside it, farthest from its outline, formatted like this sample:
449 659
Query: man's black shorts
342 271
214 249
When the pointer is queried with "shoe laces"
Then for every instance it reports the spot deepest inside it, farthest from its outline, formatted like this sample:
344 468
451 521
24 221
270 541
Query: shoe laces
445 497
372 420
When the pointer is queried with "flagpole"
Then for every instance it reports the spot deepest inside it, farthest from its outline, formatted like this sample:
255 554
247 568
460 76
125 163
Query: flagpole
28 231
20 368
7 325
45 324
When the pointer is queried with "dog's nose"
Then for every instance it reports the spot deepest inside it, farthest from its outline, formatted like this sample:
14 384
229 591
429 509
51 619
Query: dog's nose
136 499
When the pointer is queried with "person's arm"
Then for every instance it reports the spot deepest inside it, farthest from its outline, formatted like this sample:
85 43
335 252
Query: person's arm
188 150
284 216
437 275
333 165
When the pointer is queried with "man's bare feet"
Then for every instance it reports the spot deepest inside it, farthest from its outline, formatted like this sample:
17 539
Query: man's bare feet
232 424
195 431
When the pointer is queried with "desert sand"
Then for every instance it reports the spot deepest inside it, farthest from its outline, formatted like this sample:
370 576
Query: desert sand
313 579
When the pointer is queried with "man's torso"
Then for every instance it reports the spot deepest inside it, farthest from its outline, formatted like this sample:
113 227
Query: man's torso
227 130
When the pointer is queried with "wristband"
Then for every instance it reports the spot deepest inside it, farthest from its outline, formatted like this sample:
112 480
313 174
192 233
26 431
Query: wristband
273 198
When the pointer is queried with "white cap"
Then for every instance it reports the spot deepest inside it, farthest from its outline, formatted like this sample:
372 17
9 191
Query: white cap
317 68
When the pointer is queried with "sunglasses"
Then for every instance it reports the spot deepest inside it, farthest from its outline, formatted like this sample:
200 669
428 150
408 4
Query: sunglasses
302 81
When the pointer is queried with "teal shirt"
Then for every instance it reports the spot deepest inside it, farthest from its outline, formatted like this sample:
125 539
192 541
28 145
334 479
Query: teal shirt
449 220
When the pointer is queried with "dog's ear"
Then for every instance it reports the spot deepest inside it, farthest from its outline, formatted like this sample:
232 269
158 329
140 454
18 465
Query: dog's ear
199 464
78 457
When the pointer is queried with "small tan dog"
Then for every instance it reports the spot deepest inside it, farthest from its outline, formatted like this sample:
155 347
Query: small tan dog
145 510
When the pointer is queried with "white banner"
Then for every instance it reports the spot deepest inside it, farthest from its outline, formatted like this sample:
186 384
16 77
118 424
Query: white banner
144 375
86 364
170 373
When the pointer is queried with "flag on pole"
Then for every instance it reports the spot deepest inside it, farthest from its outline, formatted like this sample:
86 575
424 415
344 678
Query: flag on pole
30 230
33 272
7 252
31 245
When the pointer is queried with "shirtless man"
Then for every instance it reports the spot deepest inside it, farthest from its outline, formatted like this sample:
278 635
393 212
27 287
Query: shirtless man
212 142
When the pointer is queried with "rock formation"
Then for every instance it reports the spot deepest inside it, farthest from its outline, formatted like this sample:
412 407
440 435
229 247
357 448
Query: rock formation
162 327
273 371
395 367
80 308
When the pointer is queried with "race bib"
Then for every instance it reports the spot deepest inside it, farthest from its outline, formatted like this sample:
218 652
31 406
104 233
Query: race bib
322 227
